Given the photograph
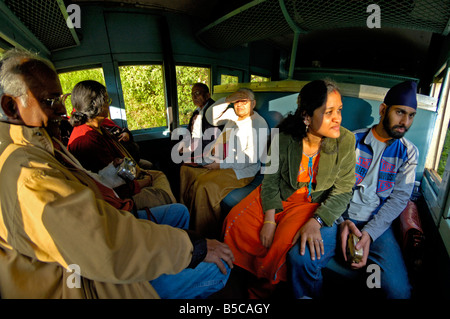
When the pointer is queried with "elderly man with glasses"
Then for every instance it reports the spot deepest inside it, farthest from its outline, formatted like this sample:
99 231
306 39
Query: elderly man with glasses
60 235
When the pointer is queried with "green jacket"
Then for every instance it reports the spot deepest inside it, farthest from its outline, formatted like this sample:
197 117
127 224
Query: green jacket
335 177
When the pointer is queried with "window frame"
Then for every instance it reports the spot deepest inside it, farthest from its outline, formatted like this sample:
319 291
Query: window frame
221 70
209 84
436 189
443 117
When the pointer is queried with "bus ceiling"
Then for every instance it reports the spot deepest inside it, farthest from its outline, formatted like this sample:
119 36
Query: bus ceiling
48 25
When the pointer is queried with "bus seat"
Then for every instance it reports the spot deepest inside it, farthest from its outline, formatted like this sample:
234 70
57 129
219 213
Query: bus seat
411 237
357 113
238 194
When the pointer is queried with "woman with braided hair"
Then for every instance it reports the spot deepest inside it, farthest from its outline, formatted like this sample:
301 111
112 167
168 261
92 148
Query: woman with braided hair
96 149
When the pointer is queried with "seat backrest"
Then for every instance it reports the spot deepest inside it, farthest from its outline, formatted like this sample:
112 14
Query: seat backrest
361 103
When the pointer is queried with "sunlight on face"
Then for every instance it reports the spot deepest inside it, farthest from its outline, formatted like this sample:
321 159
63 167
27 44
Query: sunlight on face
398 120
326 120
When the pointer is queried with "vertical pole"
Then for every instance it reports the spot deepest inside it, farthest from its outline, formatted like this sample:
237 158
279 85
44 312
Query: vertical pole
297 31
170 77
293 55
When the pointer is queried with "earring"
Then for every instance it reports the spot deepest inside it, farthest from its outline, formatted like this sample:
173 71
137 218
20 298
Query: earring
307 127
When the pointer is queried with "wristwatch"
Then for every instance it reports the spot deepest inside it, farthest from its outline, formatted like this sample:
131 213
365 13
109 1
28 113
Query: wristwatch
318 219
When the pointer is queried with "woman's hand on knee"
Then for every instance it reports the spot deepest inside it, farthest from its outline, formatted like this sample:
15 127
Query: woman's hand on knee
310 233
267 233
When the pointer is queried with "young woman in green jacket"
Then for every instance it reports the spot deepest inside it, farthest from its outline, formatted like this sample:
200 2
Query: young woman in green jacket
307 185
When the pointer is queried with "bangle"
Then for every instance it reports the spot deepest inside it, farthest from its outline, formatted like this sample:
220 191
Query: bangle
269 222
318 219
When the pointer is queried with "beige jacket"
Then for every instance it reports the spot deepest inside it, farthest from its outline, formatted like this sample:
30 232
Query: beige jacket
53 217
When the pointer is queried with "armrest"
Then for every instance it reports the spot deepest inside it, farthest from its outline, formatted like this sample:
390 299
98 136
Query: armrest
411 236
409 220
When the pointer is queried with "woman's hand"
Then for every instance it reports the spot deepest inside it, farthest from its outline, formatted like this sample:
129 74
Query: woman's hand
117 161
267 233
310 232
268 230
124 137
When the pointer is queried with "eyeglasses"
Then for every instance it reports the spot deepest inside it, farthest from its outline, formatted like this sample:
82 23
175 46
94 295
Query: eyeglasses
57 100
197 93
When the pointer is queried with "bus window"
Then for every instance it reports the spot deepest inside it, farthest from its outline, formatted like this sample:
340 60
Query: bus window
439 154
436 182
70 79
445 130
225 75
258 78
143 94
228 79
186 77
444 153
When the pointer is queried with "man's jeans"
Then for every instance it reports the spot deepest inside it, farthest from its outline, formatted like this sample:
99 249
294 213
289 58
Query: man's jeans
200 282
307 277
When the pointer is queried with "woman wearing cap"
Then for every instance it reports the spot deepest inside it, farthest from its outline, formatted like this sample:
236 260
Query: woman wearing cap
313 159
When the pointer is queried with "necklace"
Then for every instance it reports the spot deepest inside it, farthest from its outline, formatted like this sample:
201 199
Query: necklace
311 156
310 170
306 143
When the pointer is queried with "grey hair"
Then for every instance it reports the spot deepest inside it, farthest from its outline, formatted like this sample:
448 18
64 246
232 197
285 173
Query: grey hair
11 80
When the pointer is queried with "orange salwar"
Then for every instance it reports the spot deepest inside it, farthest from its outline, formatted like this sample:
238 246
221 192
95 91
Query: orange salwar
243 225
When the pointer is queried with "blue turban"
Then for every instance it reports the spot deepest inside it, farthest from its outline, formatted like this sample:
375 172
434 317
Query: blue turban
402 94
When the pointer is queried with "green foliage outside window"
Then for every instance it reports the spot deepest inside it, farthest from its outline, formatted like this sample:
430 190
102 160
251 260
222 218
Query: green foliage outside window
258 78
143 92
444 154
228 79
